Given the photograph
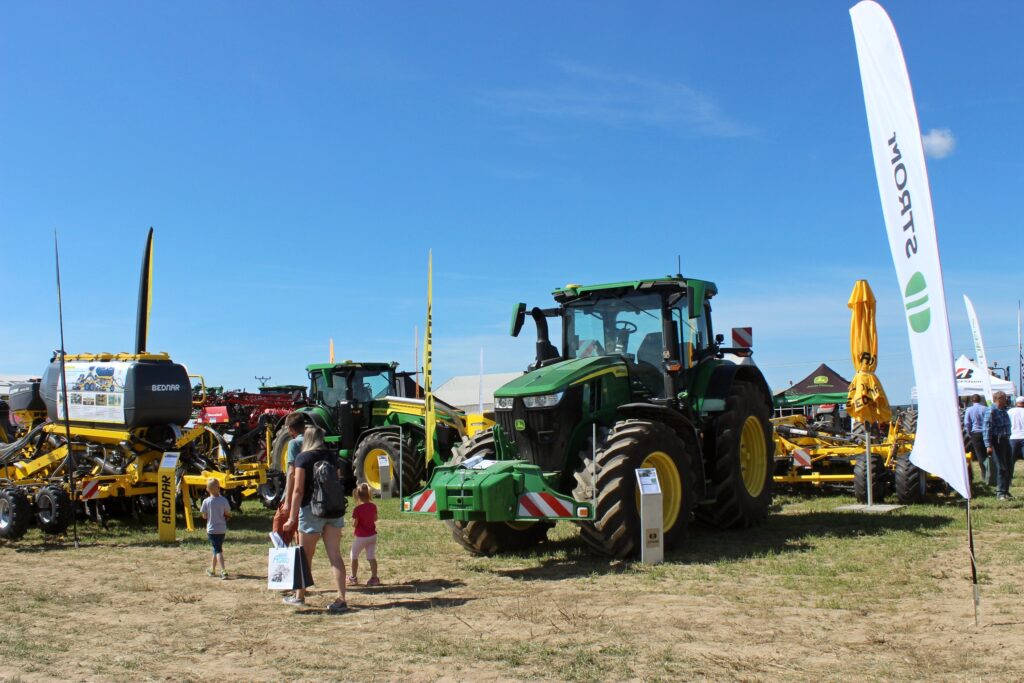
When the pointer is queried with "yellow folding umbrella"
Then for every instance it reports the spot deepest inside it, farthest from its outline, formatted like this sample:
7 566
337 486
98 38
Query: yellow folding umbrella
866 400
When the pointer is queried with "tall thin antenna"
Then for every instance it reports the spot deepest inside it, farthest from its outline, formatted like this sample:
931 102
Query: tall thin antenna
679 264
262 380
64 397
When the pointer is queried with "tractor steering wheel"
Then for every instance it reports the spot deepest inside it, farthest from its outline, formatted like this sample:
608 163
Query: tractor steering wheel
625 326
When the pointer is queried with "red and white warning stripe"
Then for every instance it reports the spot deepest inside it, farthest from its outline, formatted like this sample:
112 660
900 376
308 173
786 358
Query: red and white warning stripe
743 337
91 490
802 458
424 501
543 505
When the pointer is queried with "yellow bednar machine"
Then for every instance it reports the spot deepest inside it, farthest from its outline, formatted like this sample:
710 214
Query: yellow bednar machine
817 457
97 446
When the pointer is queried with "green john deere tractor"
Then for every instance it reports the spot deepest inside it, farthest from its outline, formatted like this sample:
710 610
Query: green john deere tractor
640 381
368 410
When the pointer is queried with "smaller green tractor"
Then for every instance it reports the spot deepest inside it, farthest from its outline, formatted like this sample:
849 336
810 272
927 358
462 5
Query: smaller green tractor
367 411
639 380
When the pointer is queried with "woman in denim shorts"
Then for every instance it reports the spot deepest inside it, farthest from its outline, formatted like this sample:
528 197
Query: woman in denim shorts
312 528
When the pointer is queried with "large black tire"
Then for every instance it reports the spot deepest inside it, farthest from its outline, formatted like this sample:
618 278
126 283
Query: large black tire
406 462
911 481
53 509
631 444
908 421
490 538
879 479
741 468
15 513
272 492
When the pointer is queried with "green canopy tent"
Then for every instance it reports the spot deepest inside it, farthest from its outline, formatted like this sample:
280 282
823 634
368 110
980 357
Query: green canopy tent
824 385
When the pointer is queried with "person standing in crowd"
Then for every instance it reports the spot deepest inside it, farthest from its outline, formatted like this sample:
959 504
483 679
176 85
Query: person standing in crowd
1016 434
294 423
312 528
974 423
996 431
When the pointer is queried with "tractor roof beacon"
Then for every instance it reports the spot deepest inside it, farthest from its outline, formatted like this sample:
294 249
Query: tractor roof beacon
640 368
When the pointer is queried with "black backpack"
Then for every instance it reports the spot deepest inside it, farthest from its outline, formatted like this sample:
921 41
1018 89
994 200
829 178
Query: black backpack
328 491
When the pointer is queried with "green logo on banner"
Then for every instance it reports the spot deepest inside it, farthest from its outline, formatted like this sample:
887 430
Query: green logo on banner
821 379
521 425
915 296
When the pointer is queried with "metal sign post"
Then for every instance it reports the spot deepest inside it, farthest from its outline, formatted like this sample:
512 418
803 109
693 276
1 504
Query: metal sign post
167 490
384 467
652 532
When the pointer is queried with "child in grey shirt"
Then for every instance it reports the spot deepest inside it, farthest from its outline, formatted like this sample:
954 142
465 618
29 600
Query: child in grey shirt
216 510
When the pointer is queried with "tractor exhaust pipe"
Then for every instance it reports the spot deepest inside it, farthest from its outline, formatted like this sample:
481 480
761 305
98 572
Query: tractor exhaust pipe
545 349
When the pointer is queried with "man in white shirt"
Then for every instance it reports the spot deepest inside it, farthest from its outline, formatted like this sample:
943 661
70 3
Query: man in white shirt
1016 433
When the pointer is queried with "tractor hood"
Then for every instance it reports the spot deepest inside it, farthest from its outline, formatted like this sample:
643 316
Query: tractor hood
559 376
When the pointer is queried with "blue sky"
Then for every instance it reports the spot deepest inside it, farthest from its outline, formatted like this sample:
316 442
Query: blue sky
299 159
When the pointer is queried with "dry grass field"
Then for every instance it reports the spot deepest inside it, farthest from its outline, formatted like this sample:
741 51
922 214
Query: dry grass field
812 595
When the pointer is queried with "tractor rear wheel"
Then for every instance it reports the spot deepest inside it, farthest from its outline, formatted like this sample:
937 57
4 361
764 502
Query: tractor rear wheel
489 538
279 450
911 481
743 462
272 492
15 513
632 444
403 458
53 509
879 479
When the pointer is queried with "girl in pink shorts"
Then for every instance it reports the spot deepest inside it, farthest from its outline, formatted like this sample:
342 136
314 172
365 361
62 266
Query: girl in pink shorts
364 518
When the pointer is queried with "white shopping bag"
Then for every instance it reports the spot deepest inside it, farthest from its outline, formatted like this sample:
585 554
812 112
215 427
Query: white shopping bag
287 569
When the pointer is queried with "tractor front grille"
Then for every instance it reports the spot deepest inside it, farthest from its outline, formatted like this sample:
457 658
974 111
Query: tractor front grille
544 439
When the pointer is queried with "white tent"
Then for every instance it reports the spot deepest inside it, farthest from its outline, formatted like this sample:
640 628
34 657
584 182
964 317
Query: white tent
968 381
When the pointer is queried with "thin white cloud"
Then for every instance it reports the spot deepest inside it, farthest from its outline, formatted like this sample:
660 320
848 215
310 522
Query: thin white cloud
939 143
618 99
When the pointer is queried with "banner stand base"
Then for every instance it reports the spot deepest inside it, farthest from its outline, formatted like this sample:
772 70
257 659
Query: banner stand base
876 509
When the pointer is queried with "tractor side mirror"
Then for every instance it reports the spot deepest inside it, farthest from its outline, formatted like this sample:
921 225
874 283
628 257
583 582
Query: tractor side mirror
694 301
518 318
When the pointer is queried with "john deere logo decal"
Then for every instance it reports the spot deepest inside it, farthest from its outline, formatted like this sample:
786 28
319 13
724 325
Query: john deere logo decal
821 379
520 425
915 296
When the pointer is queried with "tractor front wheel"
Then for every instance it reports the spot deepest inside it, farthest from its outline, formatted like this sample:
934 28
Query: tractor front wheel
15 513
743 461
53 509
611 482
403 461
490 538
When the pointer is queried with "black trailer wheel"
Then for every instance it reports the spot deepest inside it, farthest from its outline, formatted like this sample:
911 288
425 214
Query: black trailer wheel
490 538
15 513
53 509
911 481
405 462
741 468
879 479
272 492
632 444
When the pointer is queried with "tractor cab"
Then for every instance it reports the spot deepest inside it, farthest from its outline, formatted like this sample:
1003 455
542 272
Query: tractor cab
346 391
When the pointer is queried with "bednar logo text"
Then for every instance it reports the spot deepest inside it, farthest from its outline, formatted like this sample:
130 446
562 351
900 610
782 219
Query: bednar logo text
915 294
166 493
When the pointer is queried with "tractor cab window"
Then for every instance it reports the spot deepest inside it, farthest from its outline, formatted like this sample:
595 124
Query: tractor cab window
368 385
628 325
329 395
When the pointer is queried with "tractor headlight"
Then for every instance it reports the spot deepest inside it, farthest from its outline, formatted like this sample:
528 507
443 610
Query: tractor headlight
503 403
542 401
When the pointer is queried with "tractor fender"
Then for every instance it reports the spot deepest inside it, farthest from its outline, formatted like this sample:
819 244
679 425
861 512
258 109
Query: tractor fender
681 425
719 384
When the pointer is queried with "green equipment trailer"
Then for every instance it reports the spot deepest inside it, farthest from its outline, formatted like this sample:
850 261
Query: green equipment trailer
367 411
640 380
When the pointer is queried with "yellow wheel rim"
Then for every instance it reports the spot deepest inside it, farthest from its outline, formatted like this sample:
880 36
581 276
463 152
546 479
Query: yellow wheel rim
753 456
371 467
671 486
